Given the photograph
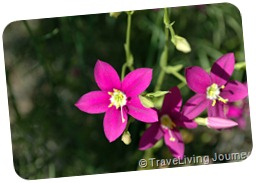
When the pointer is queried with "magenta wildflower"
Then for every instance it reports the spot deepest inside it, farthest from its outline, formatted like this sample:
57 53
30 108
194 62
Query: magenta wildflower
117 98
170 118
213 90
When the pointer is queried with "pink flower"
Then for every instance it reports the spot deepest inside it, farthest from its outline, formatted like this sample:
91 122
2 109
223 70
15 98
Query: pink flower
213 90
117 98
170 118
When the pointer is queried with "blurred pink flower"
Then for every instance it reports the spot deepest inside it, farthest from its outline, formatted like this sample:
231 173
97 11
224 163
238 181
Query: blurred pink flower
239 111
118 98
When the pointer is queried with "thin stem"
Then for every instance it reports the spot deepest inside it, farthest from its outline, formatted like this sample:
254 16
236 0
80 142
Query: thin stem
128 55
160 80
128 31
123 70
164 56
181 85
180 77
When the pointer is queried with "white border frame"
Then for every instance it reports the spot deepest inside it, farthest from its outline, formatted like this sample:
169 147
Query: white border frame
13 10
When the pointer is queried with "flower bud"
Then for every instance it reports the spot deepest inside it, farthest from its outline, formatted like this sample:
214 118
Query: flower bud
216 122
126 137
181 44
220 123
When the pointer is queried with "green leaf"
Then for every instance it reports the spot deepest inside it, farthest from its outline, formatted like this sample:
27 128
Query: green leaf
157 94
171 69
146 102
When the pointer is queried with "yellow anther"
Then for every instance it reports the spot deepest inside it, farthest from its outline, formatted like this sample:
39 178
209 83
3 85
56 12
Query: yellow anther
222 100
213 93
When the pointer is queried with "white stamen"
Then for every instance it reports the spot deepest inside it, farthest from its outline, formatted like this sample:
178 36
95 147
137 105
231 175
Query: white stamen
122 115
171 136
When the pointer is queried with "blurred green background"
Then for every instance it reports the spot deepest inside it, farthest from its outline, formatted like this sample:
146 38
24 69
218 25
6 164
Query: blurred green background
49 65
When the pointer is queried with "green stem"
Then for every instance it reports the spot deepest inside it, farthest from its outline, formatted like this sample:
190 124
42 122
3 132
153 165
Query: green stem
123 70
160 80
128 54
181 85
164 56
128 32
180 77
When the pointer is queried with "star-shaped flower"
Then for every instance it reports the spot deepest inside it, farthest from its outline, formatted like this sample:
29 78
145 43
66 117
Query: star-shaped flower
213 90
118 98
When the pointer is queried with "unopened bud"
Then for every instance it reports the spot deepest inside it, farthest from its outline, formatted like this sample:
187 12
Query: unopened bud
181 44
126 137
220 123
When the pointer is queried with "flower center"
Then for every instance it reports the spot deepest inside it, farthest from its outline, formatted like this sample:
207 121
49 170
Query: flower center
118 99
213 93
168 124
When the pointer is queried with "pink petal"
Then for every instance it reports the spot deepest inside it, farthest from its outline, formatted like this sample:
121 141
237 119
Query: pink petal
197 79
222 69
194 106
106 76
220 123
188 124
136 81
176 147
139 112
150 136
94 102
234 91
182 121
172 101
113 125
217 110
